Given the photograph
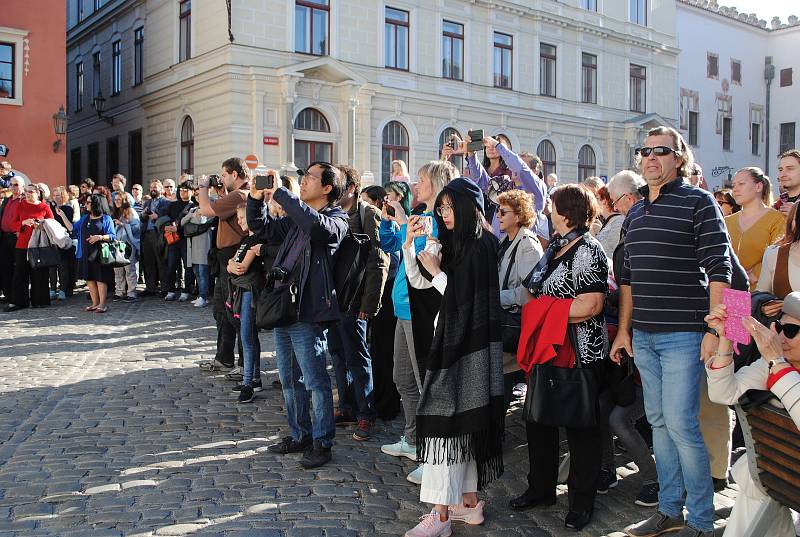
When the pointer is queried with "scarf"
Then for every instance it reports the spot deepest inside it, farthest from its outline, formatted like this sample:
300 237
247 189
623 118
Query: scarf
460 416
534 280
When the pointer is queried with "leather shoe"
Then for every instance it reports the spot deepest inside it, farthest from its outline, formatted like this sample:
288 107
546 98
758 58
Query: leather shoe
529 501
576 520
12 307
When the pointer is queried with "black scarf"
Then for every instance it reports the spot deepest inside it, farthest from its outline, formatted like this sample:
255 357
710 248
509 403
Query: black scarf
534 279
460 416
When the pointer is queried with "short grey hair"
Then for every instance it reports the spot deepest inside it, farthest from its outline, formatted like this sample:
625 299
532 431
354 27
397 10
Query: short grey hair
625 182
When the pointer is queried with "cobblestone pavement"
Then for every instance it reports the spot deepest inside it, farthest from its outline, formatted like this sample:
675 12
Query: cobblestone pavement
107 427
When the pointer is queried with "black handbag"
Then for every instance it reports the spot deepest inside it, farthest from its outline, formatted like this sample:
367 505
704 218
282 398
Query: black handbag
561 396
44 257
190 229
619 379
277 305
511 320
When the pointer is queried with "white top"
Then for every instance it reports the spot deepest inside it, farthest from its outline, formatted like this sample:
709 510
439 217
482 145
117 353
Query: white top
768 268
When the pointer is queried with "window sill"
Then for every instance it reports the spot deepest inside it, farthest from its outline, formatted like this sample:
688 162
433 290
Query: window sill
16 101
397 69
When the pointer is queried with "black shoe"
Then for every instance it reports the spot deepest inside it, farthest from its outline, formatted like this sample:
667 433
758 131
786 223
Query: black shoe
648 495
277 384
576 520
529 501
343 419
255 386
246 395
12 307
118 298
720 484
658 524
607 480
689 531
289 445
147 292
316 457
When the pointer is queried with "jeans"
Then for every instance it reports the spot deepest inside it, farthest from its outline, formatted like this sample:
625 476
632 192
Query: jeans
248 334
201 275
671 370
622 423
300 349
178 277
347 345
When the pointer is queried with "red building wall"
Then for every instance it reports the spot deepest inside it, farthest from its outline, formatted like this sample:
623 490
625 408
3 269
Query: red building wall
27 130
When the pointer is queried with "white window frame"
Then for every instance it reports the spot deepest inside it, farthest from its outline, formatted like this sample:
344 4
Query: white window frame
18 38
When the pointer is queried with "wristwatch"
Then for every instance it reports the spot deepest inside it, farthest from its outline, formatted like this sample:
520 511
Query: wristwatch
776 361
712 331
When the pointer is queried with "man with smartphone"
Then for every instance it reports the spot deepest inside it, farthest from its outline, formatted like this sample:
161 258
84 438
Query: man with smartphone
789 179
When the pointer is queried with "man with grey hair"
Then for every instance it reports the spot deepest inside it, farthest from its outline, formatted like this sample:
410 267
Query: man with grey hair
8 237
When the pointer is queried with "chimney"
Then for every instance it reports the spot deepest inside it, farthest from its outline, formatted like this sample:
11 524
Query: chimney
776 23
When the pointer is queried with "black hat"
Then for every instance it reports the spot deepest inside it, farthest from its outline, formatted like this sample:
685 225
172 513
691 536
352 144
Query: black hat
462 185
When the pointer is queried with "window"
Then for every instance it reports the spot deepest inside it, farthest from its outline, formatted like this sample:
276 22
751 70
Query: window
311 119
638 12
591 5
97 4
7 70
81 13
79 86
138 56
503 50
135 169
112 156
547 70
95 77
727 125
93 162
75 166
308 151
187 146
589 78
587 165
786 141
452 50
395 147
457 160
547 152
638 88
116 67
396 38
185 31
736 72
755 132
311 24
786 77
693 122
712 65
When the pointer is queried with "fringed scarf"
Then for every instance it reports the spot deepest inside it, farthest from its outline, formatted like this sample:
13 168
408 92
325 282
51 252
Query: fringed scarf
460 417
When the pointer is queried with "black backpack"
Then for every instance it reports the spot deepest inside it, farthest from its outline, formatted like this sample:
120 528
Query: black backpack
349 265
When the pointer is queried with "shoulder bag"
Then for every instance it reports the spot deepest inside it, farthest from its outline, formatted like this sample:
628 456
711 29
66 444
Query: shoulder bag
511 319
44 257
278 303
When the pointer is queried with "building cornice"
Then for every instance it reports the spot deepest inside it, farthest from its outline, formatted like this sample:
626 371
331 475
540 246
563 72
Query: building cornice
107 14
732 14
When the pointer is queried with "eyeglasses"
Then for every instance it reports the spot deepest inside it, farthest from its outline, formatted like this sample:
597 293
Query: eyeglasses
168 186
789 329
614 205
503 212
659 150
30 191
444 209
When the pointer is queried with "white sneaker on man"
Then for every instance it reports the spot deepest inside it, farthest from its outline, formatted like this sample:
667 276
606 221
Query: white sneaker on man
170 297
200 303
415 476
401 449
184 297
431 525
470 515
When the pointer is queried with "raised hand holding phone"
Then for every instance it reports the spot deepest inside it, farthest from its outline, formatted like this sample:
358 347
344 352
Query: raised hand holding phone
737 307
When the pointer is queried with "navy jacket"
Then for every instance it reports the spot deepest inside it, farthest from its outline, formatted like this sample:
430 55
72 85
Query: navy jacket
324 231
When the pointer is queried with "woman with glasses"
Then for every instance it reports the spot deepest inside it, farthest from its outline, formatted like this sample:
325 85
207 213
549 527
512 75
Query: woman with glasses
724 199
31 287
757 225
607 232
777 372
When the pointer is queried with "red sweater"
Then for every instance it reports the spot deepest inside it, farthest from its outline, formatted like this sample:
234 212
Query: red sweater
543 334
26 210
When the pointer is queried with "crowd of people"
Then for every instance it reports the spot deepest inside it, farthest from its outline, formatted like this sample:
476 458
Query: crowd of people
446 294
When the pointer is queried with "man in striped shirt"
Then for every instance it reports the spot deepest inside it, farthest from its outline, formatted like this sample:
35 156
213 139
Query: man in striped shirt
676 265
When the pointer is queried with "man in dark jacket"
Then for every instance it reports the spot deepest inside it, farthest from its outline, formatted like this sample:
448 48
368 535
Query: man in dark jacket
347 341
8 238
309 235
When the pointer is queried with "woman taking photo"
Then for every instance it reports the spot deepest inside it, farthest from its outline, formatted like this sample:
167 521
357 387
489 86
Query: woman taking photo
401 193
126 222
30 212
93 229
460 432
574 272
757 225
197 248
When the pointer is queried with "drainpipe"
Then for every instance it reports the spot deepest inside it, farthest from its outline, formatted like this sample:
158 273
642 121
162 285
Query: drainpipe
769 74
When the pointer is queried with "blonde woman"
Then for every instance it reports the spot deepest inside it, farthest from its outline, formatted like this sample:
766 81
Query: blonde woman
74 193
400 171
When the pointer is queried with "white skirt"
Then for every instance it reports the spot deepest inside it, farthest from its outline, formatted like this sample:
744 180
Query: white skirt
444 484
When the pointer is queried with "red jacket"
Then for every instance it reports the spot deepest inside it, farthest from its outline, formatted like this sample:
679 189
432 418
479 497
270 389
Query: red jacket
26 210
543 334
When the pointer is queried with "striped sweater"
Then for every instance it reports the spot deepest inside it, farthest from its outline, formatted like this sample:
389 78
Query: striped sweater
674 246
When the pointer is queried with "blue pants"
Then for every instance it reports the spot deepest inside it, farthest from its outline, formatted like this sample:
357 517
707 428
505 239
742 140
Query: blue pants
201 275
347 344
248 334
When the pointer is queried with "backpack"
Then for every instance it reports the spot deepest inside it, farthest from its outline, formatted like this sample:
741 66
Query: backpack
349 266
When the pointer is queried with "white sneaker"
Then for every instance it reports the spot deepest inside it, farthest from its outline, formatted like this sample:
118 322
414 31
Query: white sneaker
401 449
195 300
415 476
200 303
53 294
470 515
431 525
170 297
184 297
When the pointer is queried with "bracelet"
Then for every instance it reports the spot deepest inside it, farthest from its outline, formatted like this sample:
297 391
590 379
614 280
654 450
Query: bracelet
724 354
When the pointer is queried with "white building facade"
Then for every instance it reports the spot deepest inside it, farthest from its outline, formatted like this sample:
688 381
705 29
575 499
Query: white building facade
367 81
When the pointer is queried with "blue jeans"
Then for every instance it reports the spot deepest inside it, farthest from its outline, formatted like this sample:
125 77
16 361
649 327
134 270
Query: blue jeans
201 274
347 345
671 370
248 333
300 349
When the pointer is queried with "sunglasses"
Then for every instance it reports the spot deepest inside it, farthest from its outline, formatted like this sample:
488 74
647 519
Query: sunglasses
788 329
504 212
659 150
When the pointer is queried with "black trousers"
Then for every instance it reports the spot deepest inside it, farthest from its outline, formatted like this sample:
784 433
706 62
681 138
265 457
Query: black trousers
154 265
8 248
24 277
62 277
586 452
381 348
226 330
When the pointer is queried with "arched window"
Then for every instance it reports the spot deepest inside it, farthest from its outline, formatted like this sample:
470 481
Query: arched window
547 153
395 147
457 160
309 150
187 146
587 166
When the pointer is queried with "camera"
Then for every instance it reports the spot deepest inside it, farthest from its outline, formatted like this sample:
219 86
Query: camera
215 181
278 274
265 182
477 140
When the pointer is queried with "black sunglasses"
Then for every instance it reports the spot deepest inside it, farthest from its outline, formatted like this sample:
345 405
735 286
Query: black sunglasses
789 329
659 150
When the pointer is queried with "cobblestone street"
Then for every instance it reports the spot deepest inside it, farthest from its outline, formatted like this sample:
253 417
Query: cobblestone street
108 427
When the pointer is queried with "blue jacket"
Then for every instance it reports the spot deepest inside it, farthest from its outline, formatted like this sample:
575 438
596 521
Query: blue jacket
77 231
324 231
392 241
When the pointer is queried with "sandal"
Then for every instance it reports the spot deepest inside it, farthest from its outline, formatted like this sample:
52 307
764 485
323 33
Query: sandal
101 309
91 308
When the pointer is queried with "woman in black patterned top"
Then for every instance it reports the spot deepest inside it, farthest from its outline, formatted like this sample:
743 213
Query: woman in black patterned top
577 269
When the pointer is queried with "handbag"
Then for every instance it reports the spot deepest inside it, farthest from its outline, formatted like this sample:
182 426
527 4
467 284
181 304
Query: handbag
44 257
119 254
619 379
562 396
511 320
171 237
100 254
190 229
278 303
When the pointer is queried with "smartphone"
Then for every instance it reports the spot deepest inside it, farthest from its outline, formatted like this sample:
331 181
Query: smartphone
737 305
265 182
453 143
477 140
427 224
784 197
389 209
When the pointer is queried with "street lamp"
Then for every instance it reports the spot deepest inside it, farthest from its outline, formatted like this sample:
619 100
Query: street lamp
60 126
99 105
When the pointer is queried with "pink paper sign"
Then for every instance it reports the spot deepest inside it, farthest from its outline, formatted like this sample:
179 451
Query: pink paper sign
737 305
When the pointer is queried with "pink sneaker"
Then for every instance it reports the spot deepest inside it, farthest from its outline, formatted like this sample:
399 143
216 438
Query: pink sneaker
430 525
470 515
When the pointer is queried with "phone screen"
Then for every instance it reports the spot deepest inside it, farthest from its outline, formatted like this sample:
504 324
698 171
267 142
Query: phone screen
264 181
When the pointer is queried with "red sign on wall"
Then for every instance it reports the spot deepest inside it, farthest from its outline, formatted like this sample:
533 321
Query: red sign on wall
270 140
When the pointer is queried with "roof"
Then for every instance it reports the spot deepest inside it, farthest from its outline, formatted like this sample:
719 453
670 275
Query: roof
751 19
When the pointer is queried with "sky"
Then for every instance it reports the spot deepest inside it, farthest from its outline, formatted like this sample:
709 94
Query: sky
765 9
